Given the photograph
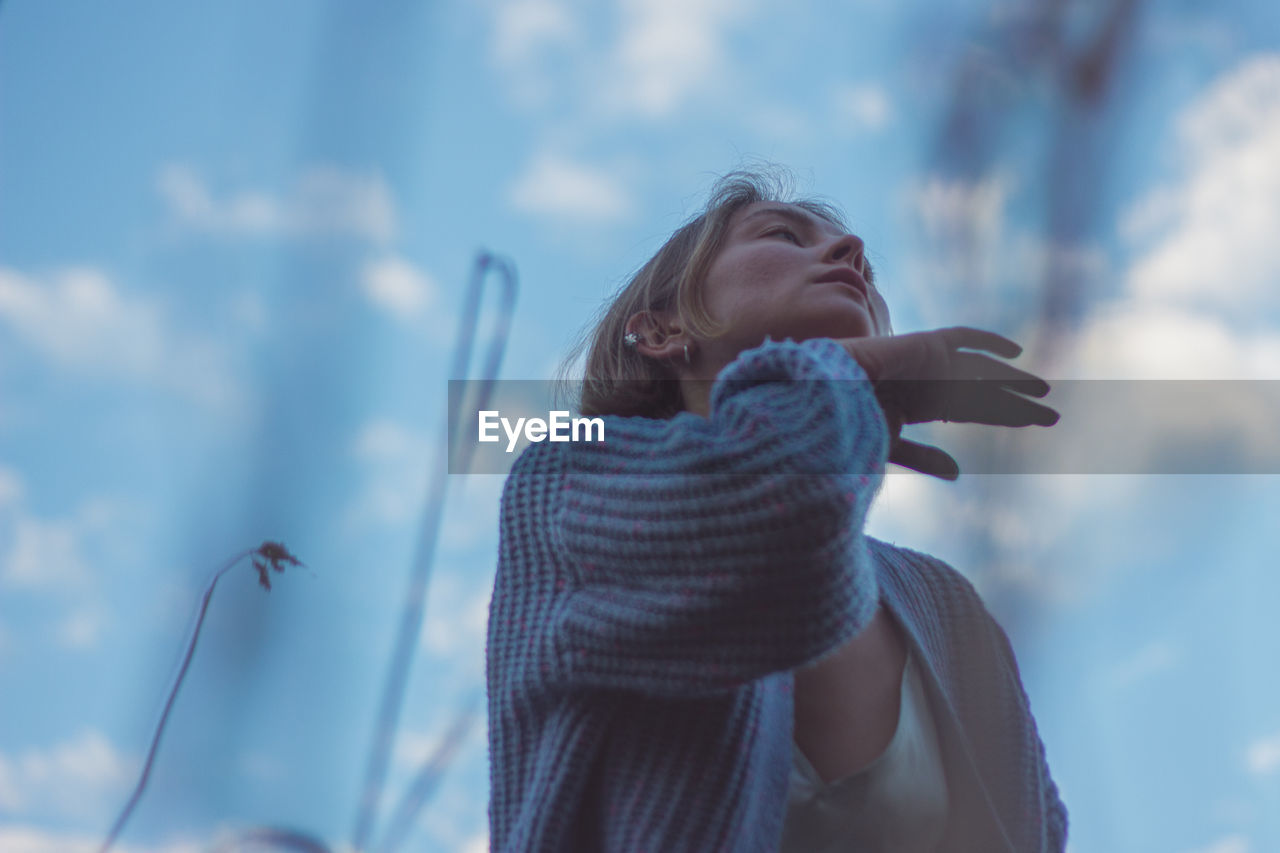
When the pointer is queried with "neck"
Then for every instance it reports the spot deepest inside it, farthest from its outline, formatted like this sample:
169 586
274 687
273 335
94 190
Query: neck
695 389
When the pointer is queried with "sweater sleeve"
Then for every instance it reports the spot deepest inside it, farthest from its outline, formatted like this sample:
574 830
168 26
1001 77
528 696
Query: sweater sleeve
709 552
1057 812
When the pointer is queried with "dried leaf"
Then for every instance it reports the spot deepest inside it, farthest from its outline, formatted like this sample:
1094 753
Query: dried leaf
277 554
263 578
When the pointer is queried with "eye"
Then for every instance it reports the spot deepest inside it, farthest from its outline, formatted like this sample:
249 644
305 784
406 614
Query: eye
786 231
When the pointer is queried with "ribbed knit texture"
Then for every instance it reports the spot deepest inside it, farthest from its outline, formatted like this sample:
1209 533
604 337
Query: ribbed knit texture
655 591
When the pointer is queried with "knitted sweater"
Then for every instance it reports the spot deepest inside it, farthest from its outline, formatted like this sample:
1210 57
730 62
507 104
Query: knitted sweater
655 592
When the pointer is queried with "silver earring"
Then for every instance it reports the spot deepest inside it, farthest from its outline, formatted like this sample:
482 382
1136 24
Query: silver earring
631 339
686 355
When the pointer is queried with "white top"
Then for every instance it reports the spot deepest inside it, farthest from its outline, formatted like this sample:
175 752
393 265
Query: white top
897 803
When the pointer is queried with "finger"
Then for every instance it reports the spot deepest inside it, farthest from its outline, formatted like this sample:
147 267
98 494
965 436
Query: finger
973 365
987 402
971 338
924 458
894 420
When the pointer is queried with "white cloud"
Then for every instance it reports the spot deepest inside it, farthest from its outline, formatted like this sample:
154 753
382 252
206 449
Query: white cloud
474 502
975 266
1198 300
456 818
522 28
528 40
386 440
77 316
45 554
1210 234
11 795
863 106
1194 302
974 257
390 499
451 823
396 460
396 285
1151 659
555 186
390 441
1020 527
48 553
970 267
34 839
457 617
413 748
84 776
323 201
1263 755
80 320
1228 844
477 843
957 209
1131 339
668 50
82 628
658 55
55 557
11 488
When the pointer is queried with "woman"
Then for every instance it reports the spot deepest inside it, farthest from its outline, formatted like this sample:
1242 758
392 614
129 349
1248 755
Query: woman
692 643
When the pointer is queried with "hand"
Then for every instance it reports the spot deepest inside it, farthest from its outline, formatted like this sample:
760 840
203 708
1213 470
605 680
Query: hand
923 376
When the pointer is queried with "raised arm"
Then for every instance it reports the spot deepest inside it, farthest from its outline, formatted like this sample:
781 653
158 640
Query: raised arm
708 552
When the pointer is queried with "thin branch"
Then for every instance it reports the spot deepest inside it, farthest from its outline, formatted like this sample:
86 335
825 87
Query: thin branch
267 553
429 777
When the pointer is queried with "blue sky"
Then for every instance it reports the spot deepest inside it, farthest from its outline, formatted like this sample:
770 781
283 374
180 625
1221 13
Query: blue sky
233 243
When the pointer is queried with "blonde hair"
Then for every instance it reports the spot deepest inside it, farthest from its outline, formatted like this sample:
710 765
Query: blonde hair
617 379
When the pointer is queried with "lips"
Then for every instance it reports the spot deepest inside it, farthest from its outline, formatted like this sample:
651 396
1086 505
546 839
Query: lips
847 276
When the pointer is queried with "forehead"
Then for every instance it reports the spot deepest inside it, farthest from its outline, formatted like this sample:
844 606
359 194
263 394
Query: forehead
760 211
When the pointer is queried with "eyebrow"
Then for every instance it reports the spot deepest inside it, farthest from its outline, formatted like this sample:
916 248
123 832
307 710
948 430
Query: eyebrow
807 222
790 213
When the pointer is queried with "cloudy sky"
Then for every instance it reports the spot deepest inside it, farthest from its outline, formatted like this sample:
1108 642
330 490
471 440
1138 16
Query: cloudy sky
234 240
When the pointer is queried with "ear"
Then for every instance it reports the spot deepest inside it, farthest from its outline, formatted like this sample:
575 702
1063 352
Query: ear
662 338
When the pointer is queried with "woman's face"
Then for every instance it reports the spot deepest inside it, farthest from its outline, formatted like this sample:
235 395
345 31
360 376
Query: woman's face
785 272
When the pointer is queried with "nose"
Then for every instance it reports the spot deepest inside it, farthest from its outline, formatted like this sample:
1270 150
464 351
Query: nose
847 248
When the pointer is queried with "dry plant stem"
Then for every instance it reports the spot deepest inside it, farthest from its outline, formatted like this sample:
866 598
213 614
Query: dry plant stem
429 777
268 836
270 551
414 606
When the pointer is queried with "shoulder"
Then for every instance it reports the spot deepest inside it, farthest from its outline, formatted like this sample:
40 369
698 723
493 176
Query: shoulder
531 486
918 568
935 597
959 634
541 457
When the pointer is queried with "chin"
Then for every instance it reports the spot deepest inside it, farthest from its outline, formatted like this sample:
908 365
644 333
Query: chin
828 324
842 325
845 318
